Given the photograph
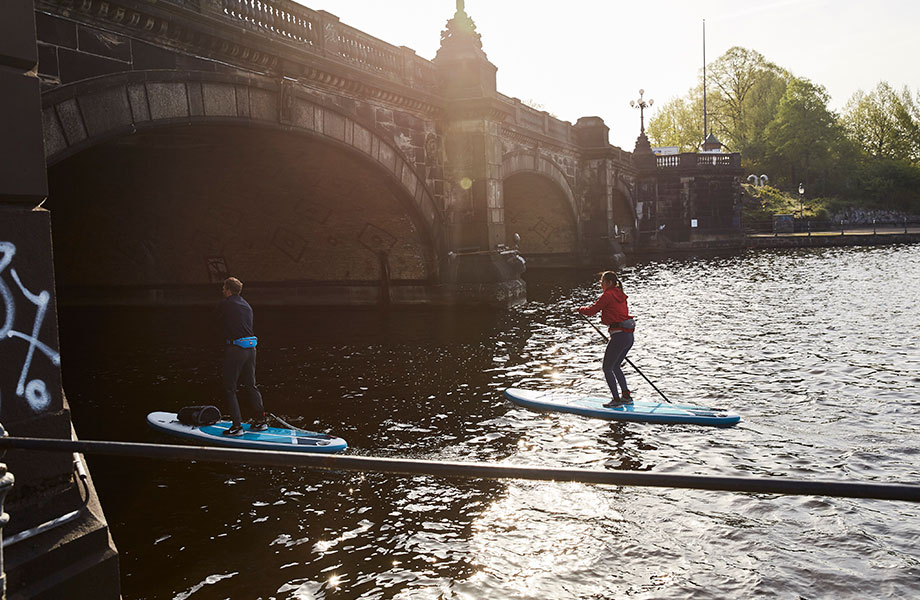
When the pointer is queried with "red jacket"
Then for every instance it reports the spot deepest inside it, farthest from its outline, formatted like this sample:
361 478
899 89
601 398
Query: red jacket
611 305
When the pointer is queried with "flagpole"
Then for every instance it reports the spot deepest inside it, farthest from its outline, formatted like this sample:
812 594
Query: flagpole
705 114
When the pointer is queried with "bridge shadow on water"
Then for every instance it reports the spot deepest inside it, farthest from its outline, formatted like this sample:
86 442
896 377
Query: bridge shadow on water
400 382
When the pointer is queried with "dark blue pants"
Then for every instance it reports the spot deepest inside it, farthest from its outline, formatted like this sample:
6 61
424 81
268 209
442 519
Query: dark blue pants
240 367
617 347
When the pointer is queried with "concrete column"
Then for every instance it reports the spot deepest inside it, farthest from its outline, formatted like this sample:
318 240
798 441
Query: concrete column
478 270
23 183
32 401
473 170
472 126
599 190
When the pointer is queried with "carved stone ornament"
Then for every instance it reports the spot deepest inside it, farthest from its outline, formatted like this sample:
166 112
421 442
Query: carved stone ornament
460 34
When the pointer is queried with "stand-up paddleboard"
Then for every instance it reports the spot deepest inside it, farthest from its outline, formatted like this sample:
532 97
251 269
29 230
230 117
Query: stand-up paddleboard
273 438
639 411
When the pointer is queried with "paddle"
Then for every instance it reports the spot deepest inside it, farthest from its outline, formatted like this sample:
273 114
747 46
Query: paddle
627 359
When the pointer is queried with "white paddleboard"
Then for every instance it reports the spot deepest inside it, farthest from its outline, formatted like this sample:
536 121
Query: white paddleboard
639 411
273 438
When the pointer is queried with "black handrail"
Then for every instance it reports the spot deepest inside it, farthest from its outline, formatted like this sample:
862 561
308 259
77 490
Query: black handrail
474 470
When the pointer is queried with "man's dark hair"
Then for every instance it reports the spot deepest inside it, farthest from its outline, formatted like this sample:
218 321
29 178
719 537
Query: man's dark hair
233 285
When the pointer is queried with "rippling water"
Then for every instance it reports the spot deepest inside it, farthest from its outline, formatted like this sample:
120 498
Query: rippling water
817 349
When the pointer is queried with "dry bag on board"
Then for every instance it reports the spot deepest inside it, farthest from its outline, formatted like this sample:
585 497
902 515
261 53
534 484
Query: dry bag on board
199 415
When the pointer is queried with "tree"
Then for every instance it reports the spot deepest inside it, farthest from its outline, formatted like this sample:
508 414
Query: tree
889 184
884 123
746 89
742 94
679 122
803 134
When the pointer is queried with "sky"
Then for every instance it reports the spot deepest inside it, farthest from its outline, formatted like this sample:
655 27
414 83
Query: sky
591 57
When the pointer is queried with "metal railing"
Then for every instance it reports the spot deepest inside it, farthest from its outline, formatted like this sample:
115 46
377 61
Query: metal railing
830 226
468 470
474 470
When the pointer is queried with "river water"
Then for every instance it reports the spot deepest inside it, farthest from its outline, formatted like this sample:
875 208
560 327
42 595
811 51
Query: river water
816 349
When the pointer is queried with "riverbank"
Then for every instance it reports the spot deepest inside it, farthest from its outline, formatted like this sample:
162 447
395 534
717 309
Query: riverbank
854 235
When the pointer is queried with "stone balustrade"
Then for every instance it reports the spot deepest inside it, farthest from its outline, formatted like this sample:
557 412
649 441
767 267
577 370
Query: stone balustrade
533 119
322 32
691 160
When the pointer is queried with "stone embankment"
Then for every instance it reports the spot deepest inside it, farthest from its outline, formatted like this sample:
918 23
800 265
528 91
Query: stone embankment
846 237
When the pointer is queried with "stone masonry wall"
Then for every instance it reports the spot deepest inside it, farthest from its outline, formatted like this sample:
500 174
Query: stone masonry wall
71 51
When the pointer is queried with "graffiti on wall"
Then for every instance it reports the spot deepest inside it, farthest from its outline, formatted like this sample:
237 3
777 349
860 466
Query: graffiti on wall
34 391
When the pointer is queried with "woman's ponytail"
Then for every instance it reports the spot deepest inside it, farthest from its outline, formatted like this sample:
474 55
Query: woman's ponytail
611 278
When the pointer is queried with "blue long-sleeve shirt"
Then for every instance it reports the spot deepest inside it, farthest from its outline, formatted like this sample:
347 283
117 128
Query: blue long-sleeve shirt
236 316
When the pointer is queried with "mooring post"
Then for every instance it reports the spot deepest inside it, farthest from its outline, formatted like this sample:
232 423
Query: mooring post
6 482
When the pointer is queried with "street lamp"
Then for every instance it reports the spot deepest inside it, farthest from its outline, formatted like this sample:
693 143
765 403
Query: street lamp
641 104
801 201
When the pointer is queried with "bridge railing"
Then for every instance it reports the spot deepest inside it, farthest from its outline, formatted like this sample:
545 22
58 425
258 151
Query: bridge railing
537 120
692 160
530 118
824 226
323 33
285 19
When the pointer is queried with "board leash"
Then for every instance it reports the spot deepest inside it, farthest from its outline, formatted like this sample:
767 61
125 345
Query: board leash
627 360
286 424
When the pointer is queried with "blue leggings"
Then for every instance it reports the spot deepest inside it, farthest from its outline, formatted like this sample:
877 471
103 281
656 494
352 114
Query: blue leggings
617 347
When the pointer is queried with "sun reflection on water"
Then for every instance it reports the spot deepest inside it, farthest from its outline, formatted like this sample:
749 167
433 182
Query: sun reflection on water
539 533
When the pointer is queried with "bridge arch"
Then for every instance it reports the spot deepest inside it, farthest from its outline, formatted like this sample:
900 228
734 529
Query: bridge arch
84 114
98 117
540 205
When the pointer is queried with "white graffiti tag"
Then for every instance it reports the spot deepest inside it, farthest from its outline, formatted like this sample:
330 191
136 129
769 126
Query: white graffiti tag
35 391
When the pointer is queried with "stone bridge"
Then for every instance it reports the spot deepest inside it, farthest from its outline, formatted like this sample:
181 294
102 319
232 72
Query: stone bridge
178 141
190 139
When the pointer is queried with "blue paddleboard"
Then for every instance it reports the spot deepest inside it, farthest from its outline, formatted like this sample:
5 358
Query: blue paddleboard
273 438
639 411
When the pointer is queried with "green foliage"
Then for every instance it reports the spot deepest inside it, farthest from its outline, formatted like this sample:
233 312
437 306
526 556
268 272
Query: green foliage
889 184
744 89
679 122
867 157
800 138
766 201
884 123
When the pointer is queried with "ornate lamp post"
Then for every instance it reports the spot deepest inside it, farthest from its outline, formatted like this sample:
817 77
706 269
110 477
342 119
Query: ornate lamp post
641 105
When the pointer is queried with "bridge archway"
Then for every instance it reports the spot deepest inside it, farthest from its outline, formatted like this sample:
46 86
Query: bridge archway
540 206
185 179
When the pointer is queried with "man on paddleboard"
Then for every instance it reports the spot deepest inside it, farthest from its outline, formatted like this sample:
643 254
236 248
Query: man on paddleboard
239 357
615 315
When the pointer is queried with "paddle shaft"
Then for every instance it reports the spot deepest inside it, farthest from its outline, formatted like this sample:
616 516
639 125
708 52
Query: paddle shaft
627 359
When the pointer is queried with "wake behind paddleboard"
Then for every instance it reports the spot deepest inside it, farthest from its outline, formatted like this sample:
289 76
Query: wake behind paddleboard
639 411
273 438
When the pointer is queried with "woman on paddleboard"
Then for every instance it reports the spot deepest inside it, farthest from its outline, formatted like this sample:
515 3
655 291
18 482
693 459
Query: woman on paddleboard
615 315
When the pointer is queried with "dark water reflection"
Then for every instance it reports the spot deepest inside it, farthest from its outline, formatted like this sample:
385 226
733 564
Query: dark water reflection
816 349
